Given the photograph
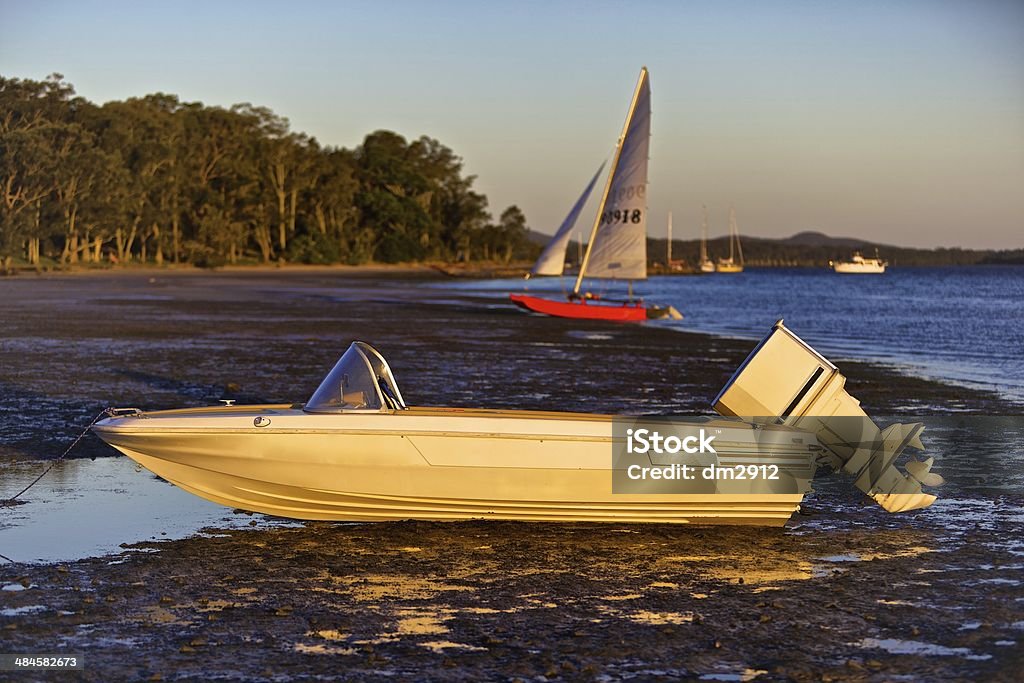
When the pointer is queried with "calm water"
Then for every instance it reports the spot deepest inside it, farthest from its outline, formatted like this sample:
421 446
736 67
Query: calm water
963 325
84 508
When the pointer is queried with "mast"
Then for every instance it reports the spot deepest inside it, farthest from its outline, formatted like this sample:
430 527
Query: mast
608 182
668 260
734 234
704 235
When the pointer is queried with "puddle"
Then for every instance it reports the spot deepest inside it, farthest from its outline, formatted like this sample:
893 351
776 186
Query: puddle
742 677
89 508
590 336
914 647
765 570
321 649
870 556
442 645
16 611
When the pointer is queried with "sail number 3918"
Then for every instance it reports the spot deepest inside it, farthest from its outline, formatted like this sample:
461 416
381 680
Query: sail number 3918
622 216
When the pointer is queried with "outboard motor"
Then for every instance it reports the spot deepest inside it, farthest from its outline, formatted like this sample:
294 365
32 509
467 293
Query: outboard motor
785 382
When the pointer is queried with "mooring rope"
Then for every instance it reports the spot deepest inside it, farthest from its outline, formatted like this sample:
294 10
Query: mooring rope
8 502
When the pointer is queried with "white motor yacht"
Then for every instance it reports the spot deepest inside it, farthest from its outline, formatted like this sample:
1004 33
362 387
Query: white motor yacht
858 265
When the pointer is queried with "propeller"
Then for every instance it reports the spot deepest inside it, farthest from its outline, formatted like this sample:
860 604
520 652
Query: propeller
921 472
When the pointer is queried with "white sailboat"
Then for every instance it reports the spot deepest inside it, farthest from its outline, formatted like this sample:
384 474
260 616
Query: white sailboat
733 264
617 248
706 265
671 265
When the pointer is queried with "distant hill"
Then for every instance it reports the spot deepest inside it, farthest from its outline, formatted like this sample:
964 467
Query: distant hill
820 239
539 238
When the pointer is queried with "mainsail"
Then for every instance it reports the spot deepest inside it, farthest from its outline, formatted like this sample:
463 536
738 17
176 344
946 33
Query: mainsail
618 244
552 260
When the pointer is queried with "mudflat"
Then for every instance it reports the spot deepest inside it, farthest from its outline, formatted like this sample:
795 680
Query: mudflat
844 592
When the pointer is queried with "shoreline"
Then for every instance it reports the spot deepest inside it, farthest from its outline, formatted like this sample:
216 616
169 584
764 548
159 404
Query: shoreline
441 269
366 270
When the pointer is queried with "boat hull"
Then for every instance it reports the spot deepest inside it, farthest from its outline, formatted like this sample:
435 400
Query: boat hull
589 309
432 464
858 268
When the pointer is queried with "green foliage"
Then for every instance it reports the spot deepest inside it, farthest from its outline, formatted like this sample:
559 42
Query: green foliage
156 179
312 248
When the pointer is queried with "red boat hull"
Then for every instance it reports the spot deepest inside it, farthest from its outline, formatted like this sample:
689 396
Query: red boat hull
582 309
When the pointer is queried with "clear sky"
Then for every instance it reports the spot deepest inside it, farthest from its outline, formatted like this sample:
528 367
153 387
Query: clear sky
898 121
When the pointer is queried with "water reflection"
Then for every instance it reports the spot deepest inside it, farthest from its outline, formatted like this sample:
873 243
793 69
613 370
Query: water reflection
86 508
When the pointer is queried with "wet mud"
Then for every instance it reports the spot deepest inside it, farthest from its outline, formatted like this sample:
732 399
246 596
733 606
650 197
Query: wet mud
843 592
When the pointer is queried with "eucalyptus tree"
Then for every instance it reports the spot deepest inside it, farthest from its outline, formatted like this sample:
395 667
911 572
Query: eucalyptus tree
31 115
332 217
221 173
394 198
512 233
280 165
146 135
27 165
457 212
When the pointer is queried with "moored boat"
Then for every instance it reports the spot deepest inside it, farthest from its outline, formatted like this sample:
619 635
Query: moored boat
733 264
859 265
355 451
704 263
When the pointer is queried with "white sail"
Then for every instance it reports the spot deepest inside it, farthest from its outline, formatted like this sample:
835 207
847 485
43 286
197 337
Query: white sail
552 259
619 248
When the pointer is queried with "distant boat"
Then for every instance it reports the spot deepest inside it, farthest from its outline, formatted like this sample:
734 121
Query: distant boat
617 249
859 265
706 265
672 265
733 264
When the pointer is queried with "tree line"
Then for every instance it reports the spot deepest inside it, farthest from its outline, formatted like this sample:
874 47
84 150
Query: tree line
156 180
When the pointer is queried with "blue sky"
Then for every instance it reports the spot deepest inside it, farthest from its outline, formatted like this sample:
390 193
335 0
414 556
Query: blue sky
901 122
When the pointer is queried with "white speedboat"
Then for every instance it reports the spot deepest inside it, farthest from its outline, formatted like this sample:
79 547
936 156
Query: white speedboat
859 265
355 451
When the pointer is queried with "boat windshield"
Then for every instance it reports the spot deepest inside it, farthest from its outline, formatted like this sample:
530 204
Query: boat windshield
361 380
